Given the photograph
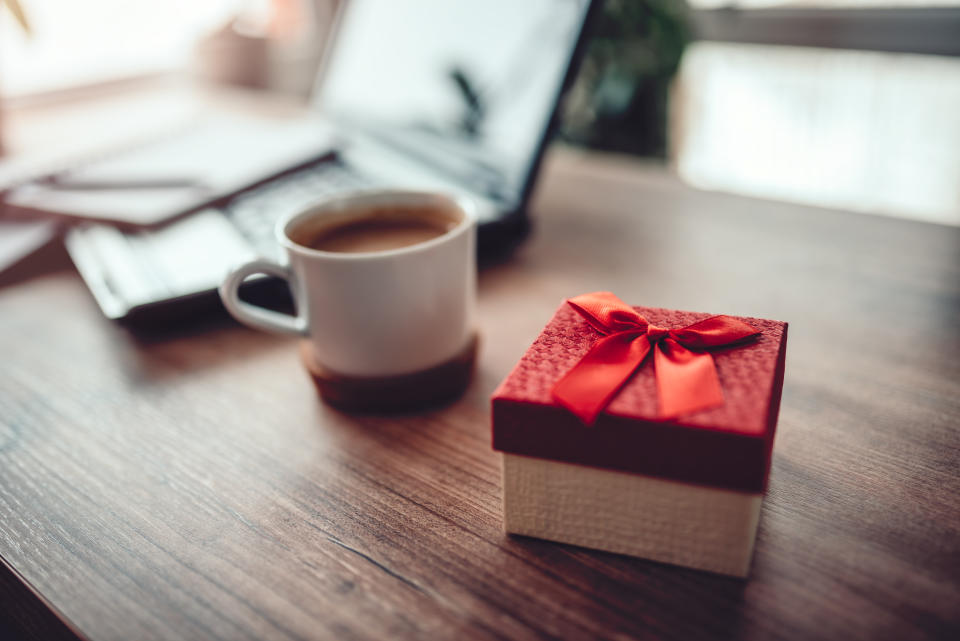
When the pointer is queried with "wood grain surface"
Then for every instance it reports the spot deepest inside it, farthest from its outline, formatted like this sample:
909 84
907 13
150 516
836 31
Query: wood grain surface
193 487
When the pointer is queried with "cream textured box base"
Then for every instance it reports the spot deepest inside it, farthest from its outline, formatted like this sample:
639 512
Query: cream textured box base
700 527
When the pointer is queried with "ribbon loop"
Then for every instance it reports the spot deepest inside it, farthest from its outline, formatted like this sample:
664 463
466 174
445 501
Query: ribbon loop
716 331
687 381
607 313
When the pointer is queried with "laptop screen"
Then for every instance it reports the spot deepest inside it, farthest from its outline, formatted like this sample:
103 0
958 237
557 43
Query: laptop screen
469 86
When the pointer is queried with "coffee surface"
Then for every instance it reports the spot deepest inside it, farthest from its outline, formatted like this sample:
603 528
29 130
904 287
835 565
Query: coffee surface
377 230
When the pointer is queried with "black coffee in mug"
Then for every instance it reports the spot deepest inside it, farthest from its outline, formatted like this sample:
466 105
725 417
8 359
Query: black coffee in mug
376 230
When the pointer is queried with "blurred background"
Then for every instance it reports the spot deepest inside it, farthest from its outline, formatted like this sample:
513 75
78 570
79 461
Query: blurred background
850 104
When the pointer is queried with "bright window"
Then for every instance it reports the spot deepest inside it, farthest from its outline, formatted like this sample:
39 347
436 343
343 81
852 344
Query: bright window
78 42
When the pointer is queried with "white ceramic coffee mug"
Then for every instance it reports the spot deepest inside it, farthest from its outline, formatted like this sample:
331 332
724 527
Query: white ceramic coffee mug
378 313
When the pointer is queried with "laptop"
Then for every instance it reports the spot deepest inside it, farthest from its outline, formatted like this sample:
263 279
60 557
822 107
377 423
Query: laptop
459 97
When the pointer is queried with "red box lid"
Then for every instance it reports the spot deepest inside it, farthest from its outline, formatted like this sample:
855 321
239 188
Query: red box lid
727 446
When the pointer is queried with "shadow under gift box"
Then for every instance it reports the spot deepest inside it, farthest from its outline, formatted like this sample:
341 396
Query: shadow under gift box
685 491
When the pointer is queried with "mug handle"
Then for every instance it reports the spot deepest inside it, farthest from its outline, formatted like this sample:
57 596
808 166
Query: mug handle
254 315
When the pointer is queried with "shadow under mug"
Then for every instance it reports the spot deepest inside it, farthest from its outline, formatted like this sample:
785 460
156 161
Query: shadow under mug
372 316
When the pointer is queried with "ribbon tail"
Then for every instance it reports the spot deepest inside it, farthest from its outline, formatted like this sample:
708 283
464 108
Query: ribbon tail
593 382
686 381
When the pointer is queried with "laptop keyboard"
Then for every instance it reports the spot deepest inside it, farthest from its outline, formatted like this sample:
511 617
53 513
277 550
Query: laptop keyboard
255 213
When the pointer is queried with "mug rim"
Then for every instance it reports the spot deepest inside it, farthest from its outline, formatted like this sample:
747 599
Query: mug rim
466 206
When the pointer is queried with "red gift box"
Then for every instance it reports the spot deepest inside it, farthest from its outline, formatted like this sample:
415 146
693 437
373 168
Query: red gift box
727 447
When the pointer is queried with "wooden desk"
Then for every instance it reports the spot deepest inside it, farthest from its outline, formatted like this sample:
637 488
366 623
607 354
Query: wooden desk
194 487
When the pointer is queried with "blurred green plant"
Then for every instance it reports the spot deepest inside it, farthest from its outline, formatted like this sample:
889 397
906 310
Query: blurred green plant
18 14
619 101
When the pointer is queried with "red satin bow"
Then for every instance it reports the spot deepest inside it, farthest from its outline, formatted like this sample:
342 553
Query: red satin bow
686 381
